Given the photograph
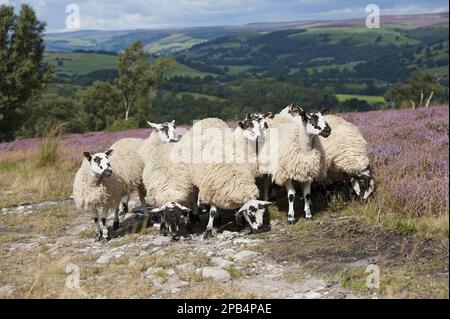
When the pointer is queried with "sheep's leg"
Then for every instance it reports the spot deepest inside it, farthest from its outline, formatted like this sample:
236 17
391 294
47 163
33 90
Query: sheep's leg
267 182
98 231
307 197
209 227
103 216
116 219
142 193
124 205
291 197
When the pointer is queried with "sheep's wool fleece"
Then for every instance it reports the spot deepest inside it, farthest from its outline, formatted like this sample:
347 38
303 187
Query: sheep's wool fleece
165 180
93 192
300 158
130 144
345 149
220 179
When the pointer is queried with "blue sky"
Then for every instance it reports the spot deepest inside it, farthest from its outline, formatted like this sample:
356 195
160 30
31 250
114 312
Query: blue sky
132 14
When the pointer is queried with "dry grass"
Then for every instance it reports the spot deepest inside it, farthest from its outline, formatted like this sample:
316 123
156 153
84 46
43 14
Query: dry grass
50 221
212 290
23 179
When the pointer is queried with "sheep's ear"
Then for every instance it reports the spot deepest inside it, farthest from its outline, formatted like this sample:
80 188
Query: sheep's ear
268 115
154 125
241 125
173 122
108 152
303 115
262 204
88 156
183 208
325 111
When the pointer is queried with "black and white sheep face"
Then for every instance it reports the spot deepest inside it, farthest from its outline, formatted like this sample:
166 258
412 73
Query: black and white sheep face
174 219
315 123
363 184
253 211
254 125
261 118
166 131
99 163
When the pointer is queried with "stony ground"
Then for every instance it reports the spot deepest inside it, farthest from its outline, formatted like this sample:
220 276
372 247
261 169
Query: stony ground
44 245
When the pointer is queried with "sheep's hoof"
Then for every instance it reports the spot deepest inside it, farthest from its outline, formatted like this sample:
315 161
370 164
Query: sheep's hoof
116 225
291 221
98 236
308 216
105 239
208 233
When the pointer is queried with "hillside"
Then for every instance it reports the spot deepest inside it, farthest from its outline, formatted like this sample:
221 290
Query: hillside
322 55
168 41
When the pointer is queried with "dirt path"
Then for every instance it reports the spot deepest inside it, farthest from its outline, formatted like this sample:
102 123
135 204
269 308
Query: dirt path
42 243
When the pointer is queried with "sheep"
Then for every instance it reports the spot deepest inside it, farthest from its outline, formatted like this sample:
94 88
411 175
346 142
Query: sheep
299 155
102 181
346 154
223 174
131 145
165 181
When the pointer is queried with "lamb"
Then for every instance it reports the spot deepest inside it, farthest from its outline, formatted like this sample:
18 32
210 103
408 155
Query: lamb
346 154
299 155
102 181
223 174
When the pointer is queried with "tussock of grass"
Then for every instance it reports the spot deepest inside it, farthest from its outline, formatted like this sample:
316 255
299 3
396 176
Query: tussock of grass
48 153
22 179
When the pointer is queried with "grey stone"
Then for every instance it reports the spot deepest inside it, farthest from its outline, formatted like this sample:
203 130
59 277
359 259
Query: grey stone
244 255
312 295
216 274
220 262
161 240
183 268
104 259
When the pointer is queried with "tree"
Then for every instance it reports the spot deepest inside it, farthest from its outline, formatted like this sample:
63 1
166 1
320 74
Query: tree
419 91
102 103
136 75
22 73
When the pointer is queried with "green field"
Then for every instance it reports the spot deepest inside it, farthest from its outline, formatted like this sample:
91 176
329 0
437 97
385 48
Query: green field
368 98
80 63
199 95
83 63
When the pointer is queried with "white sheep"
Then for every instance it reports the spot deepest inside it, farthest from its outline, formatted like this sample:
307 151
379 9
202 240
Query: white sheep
102 181
222 167
164 180
299 155
131 145
346 154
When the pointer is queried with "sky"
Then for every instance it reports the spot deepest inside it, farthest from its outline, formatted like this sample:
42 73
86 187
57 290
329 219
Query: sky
135 14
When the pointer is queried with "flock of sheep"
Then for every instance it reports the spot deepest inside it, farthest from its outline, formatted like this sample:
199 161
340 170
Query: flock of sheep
216 167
